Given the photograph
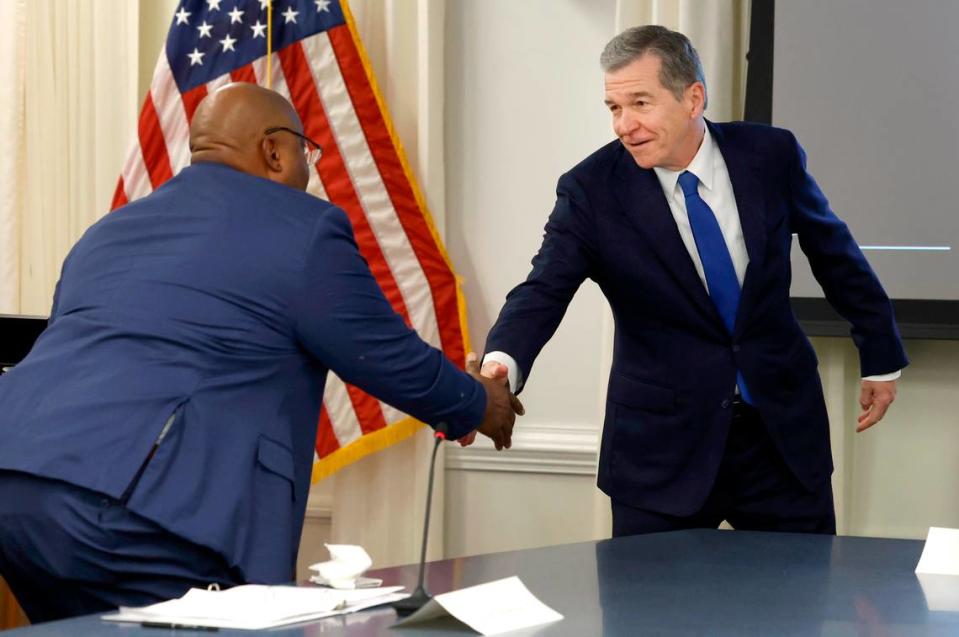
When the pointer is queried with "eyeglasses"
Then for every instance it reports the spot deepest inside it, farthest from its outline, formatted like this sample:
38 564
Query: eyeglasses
311 150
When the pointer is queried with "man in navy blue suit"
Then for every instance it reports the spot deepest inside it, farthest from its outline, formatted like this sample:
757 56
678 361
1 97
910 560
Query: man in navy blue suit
160 433
715 409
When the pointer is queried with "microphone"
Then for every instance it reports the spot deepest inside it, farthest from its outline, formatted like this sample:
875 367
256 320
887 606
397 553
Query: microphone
420 597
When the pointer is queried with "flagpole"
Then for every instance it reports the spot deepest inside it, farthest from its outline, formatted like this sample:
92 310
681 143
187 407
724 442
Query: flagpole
269 43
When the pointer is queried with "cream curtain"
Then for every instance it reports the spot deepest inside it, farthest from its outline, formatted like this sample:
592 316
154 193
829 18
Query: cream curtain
72 108
67 109
12 24
379 502
719 29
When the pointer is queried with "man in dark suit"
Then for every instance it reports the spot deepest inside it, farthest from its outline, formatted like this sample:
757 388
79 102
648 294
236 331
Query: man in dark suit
715 409
160 433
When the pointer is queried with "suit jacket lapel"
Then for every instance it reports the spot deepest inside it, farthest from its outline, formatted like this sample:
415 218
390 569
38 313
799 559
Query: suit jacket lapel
748 190
645 205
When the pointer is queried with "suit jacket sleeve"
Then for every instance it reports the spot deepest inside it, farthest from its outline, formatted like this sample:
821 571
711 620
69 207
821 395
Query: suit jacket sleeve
343 319
56 302
534 308
839 266
55 306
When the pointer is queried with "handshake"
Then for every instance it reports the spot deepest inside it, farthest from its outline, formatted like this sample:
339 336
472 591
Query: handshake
502 406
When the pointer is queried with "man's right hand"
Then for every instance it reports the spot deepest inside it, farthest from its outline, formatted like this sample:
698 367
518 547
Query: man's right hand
499 371
500 411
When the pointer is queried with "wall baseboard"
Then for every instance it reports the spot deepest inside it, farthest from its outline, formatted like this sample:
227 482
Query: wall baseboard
569 449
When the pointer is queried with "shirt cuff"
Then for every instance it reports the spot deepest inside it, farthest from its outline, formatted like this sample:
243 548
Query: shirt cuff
885 377
513 373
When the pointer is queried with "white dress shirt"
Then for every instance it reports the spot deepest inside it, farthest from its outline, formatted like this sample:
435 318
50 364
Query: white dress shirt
717 191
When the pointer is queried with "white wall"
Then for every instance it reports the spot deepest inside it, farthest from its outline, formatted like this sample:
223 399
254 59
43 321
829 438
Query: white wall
514 123
523 105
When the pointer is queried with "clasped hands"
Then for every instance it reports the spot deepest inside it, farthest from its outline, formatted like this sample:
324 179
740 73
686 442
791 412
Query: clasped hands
502 406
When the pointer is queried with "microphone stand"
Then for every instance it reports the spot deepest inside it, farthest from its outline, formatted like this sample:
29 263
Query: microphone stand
420 597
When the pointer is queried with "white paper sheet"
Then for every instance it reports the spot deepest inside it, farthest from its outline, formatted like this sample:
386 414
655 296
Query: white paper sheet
489 609
255 607
940 556
941 591
345 567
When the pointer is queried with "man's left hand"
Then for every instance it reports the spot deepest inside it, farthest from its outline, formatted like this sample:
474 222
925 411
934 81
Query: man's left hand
875 398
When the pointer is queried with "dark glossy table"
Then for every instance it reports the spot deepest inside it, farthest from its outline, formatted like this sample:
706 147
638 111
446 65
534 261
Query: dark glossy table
685 583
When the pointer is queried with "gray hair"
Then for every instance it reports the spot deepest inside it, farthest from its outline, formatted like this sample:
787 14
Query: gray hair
680 62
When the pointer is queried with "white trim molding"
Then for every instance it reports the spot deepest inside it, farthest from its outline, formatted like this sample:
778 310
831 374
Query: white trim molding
537 448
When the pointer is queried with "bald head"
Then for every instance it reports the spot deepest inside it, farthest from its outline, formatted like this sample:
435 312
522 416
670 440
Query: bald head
229 128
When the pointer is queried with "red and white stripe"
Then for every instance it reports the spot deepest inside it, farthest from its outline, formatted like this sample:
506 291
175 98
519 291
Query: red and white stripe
374 198
172 115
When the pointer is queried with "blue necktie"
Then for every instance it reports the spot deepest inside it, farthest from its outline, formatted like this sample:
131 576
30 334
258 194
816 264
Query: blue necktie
717 264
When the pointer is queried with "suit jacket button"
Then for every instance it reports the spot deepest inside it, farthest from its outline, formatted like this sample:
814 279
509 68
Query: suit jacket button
726 403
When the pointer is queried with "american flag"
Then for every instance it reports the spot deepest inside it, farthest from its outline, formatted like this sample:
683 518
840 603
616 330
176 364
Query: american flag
318 63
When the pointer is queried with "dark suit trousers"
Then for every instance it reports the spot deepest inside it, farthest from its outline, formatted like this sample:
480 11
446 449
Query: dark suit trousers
754 490
68 551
